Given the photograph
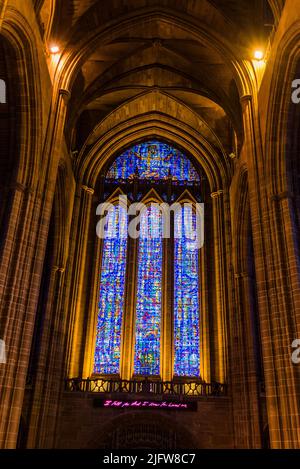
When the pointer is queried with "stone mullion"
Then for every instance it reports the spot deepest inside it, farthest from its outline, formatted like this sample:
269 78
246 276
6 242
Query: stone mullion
76 305
220 338
128 328
167 331
48 377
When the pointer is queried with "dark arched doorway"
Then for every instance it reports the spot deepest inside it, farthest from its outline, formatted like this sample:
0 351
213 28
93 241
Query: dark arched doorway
144 431
8 127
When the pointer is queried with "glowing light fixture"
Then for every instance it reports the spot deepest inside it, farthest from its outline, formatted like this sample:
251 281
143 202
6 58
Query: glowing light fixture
258 55
54 49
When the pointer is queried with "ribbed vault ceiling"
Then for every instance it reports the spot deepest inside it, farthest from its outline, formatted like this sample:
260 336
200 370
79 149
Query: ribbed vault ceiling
184 49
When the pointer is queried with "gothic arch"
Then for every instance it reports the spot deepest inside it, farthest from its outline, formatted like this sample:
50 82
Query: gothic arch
276 139
21 38
149 119
71 60
46 12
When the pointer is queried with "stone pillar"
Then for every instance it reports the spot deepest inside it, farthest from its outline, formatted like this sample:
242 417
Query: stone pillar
219 322
245 385
78 253
284 293
48 378
167 330
21 265
278 290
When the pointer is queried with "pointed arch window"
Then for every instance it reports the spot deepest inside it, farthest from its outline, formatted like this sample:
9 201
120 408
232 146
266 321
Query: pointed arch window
153 314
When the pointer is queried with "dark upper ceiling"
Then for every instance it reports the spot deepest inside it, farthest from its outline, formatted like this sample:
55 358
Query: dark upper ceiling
156 52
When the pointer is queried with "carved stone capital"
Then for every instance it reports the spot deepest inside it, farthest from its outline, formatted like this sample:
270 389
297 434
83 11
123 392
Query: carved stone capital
89 190
242 275
216 194
18 186
56 268
246 98
66 95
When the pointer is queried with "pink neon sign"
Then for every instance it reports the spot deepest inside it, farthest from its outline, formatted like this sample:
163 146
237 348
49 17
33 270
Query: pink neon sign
168 405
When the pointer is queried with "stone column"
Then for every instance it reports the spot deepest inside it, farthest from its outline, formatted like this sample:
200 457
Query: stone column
245 385
277 274
219 322
48 378
167 329
284 293
21 265
76 278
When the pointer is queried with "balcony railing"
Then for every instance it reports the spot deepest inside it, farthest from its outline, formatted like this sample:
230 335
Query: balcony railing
188 389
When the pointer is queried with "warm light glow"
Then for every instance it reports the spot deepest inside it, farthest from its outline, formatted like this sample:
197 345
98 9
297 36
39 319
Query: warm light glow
258 55
54 49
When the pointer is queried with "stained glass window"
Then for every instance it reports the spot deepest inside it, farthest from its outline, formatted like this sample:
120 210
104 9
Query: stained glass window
111 301
153 160
186 295
149 294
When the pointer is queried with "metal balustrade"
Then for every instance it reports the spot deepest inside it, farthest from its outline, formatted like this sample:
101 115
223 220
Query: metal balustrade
181 389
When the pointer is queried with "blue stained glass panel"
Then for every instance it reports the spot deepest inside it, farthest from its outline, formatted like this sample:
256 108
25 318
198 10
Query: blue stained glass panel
111 299
186 295
149 293
153 160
